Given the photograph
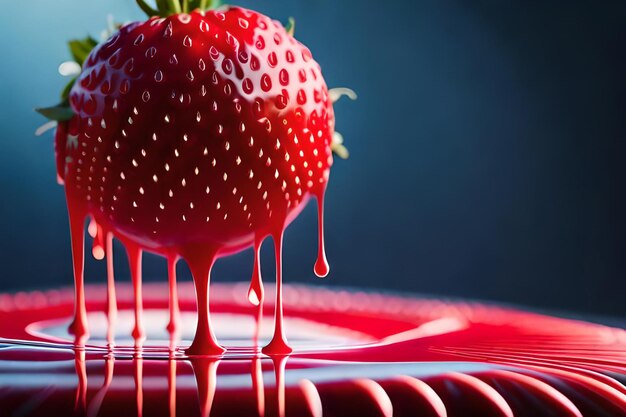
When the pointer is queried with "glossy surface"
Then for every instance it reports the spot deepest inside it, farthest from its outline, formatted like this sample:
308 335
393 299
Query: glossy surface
354 354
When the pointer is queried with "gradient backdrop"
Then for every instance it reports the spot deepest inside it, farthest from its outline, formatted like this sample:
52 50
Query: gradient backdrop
488 147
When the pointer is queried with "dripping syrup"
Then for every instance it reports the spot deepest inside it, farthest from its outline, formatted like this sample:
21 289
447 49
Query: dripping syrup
200 259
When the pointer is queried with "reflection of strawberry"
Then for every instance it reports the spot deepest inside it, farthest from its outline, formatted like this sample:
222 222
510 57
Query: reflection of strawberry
202 130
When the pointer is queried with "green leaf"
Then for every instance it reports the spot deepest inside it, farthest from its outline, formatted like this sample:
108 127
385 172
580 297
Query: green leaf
161 6
60 112
66 91
80 48
290 27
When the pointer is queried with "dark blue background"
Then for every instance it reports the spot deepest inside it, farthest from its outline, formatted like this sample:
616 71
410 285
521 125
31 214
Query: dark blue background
488 148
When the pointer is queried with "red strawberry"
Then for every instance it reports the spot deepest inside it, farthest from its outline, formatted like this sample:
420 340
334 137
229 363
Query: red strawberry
198 135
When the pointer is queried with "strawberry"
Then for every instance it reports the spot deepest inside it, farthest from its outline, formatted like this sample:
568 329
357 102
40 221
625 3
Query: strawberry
197 135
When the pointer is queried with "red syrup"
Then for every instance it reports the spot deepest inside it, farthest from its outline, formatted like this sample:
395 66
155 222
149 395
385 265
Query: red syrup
355 353
200 259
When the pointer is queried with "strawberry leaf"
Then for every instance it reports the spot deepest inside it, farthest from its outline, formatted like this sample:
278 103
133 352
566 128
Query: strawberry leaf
80 48
290 27
60 112
66 91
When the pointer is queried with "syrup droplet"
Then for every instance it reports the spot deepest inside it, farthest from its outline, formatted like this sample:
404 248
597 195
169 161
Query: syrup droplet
255 292
97 249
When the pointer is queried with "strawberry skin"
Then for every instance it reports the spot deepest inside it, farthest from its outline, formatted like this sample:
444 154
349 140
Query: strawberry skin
208 128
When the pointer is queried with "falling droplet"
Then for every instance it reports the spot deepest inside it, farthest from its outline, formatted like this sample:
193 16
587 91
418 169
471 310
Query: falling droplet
255 292
97 249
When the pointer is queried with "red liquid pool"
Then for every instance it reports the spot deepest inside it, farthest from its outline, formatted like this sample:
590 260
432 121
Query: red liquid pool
355 353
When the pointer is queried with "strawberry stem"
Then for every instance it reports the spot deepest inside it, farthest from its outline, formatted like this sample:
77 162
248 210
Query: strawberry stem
147 9
173 6
166 8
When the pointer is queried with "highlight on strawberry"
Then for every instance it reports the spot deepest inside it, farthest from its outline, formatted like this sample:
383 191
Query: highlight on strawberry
195 134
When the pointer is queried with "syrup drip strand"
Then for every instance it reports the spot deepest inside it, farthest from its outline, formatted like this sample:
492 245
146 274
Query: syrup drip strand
200 260
111 307
134 259
321 268
278 345
174 322
78 327
204 342
255 292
